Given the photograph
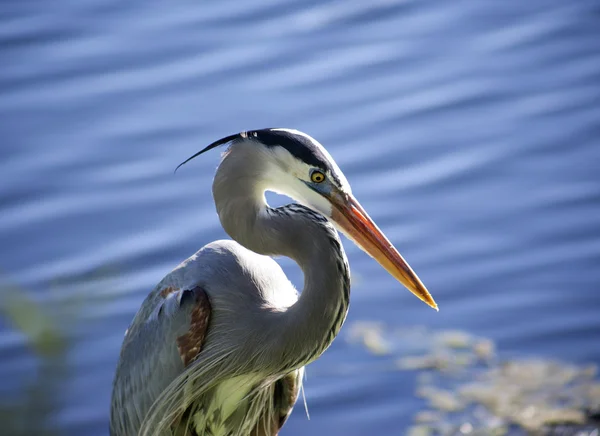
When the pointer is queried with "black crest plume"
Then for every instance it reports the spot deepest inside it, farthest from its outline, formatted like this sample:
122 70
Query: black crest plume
218 143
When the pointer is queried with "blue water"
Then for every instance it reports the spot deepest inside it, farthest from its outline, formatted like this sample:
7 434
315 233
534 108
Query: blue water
470 131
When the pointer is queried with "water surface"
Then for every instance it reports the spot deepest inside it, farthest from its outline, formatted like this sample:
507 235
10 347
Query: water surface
468 129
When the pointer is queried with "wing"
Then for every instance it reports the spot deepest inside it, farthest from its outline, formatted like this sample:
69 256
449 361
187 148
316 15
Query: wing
285 394
166 335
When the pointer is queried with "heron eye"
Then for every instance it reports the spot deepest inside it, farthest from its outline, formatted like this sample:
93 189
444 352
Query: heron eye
317 176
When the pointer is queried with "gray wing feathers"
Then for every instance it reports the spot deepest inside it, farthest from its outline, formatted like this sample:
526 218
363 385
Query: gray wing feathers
165 337
233 289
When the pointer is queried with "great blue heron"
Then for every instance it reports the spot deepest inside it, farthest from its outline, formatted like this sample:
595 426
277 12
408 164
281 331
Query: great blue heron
219 346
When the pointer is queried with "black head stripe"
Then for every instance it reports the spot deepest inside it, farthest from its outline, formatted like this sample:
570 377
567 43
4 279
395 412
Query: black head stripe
299 146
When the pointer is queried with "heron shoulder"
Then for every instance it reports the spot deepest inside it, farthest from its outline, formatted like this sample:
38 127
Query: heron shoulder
227 269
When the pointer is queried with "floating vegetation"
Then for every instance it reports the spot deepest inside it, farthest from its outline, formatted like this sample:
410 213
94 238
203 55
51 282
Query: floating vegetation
468 390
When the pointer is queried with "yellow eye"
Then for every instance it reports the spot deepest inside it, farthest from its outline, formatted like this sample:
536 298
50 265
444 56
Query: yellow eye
317 176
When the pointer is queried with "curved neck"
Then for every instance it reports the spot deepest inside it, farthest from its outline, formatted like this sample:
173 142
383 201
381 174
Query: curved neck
302 332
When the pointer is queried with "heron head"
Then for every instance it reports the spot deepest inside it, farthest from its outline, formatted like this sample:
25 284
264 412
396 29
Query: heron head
296 165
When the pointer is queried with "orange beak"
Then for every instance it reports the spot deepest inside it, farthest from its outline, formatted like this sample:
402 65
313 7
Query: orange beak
354 221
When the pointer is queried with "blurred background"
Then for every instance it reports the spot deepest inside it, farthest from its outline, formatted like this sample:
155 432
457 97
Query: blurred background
468 129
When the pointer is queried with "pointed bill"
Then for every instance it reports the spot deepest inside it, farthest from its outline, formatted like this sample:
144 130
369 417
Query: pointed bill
354 221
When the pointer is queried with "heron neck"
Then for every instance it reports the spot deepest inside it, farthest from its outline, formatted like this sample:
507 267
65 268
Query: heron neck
311 324
303 331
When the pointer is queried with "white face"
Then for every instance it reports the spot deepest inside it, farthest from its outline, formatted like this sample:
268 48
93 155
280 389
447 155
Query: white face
292 177
344 185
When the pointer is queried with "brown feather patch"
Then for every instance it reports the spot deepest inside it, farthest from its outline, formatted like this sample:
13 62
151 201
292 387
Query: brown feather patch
190 344
285 392
166 291
290 385
266 426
